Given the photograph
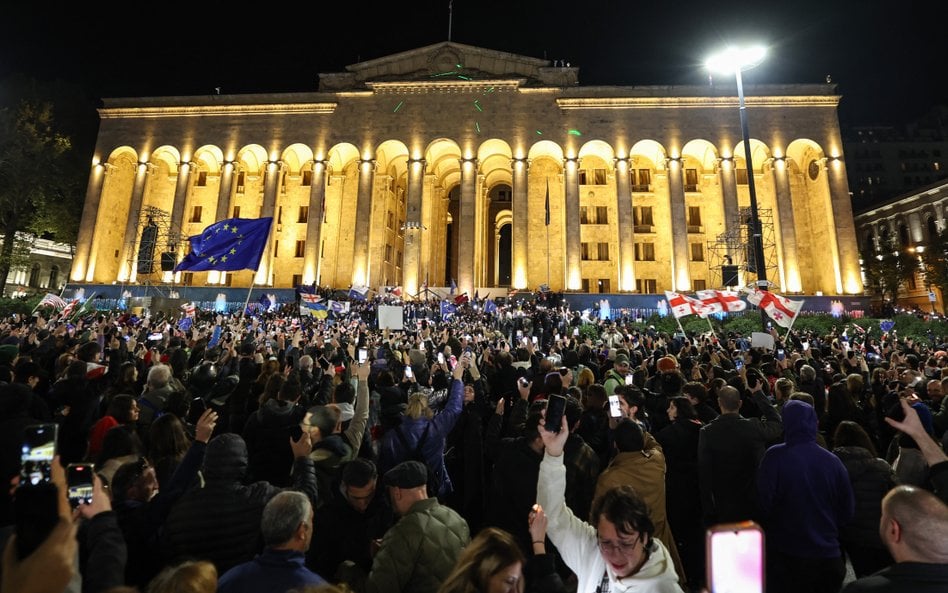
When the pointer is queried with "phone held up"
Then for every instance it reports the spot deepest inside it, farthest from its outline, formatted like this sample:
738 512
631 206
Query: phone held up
39 448
736 557
555 408
363 355
615 410
79 483
35 501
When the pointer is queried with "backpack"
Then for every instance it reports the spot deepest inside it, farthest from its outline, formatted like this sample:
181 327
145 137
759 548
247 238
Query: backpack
416 454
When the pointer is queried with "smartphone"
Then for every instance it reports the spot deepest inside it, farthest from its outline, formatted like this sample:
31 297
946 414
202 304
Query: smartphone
440 358
781 354
155 336
534 340
555 408
79 483
523 381
736 557
519 333
323 363
629 380
37 452
408 372
575 332
738 363
615 409
363 355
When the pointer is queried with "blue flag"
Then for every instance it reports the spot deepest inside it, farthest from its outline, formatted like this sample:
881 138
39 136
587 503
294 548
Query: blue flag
454 286
265 302
185 323
447 309
228 245
886 325
358 293
490 306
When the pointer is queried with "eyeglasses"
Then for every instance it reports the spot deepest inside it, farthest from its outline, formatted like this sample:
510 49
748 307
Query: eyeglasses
624 548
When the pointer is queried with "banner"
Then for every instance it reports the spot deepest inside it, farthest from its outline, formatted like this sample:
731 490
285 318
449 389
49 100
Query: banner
390 317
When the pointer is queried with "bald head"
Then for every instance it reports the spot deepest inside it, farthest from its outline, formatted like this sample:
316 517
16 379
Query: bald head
729 398
914 525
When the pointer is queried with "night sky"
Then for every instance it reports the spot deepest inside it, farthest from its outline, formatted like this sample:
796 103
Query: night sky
881 62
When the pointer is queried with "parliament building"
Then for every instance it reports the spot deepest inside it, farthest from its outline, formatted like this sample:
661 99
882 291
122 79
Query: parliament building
459 163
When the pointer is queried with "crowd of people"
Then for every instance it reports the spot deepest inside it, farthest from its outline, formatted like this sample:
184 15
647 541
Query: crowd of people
279 452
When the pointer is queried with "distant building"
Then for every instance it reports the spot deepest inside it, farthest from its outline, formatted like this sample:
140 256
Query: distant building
47 270
489 168
906 222
884 162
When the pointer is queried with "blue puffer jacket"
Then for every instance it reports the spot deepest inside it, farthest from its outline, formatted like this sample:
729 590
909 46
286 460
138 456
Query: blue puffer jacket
392 452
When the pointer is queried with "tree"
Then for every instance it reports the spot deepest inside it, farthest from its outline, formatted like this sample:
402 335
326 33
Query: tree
38 183
887 269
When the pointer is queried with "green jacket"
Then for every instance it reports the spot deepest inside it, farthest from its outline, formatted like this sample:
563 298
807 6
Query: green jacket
419 551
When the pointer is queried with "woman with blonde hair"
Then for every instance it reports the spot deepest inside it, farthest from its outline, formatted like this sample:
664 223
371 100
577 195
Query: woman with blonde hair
491 563
187 577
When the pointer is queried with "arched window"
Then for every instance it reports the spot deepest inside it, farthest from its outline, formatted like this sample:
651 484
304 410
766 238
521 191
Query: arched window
53 278
932 227
34 276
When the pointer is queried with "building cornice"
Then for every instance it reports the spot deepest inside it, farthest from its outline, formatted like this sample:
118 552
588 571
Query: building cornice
445 86
693 102
217 110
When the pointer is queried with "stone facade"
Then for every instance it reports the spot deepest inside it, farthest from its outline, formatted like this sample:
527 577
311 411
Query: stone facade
457 162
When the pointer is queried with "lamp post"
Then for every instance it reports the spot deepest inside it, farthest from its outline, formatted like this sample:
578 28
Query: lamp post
734 60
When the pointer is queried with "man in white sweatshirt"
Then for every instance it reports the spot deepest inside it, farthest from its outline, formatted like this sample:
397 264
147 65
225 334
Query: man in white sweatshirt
616 555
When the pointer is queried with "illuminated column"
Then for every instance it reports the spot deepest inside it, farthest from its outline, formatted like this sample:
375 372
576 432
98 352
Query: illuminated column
915 228
180 197
271 180
465 227
625 222
573 249
128 266
413 226
83 264
790 267
314 222
728 193
519 228
681 277
224 192
360 254
843 237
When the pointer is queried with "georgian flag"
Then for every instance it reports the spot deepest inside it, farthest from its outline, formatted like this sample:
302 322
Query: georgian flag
781 309
720 301
310 298
682 305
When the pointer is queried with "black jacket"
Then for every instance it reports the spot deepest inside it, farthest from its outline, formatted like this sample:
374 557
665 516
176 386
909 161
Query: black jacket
871 479
513 485
220 521
267 434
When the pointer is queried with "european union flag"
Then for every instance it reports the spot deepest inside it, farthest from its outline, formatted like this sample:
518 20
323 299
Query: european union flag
447 309
231 244
490 306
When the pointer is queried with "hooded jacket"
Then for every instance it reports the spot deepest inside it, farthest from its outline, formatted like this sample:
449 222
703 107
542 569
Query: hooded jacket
267 434
220 519
803 490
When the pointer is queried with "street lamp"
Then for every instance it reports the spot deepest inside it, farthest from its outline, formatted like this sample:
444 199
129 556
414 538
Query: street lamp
734 60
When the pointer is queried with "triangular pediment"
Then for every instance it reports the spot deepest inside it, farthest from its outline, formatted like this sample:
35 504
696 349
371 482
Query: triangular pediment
448 61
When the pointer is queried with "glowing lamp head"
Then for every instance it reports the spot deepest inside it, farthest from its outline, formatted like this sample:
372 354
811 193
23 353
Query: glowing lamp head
735 59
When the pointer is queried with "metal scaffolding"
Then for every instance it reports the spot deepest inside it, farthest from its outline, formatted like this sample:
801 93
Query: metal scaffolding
736 247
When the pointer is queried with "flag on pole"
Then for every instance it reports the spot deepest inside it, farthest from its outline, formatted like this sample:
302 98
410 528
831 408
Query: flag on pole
265 302
720 301
490 306
396 291
454 286
358 293
461 299
51 300
69 308
781 309
546 219
185 323
228 245
310 298
683 305
189 309
339 306
447 309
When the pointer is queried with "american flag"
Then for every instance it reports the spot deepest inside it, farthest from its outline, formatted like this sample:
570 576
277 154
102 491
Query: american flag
189 309
51 300
68 309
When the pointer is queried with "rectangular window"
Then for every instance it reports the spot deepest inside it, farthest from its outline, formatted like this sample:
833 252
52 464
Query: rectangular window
697 251
642 219
603 252
236 212
187 279
283 182
585 287
307 178
645 252
741 175
297 279
240 182
602 215
202 179
694 215
584 251
276 248
228 279
583 215
605 285
300 248
390 220
599 176
388 253
581 176
691 180
699 285
196 214
646 285
304 214
280 215
640 179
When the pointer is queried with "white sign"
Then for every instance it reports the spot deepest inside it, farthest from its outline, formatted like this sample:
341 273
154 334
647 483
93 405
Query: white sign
390 317
762 340
931 296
